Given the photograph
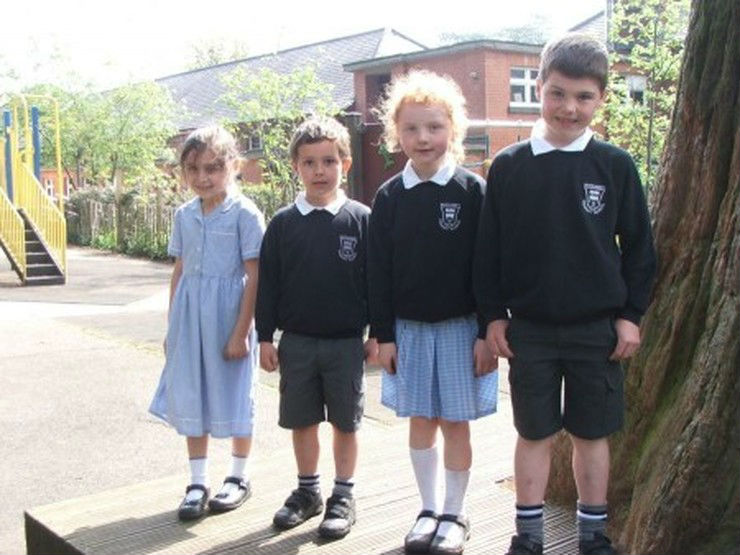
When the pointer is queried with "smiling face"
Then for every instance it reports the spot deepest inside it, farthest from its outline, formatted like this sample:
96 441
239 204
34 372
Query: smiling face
425 134
320 169
208 176
568 106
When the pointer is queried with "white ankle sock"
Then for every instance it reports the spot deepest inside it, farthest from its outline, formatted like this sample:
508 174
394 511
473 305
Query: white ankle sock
198 475
456 484
239 467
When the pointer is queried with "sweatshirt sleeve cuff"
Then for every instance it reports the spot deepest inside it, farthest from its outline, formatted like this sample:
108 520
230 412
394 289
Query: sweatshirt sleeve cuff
630 314
264 336
383 334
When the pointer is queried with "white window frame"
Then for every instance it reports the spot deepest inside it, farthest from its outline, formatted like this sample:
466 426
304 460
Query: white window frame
528 82
251 142
635 83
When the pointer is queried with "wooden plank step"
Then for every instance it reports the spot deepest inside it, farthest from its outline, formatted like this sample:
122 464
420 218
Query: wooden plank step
42 270
45 280
141 518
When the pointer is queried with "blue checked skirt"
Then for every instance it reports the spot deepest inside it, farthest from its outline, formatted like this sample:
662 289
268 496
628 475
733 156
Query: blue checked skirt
435 375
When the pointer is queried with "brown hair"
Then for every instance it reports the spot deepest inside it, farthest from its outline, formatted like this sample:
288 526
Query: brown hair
214 138
575 55
318 128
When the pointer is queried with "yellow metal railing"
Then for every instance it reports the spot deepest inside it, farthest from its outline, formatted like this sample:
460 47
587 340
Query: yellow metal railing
13 233
45 216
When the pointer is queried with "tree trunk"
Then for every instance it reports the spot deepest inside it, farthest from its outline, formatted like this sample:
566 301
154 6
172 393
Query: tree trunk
676 463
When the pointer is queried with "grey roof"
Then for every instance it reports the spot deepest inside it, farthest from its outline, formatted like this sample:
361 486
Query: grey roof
594 26
410 57
200 91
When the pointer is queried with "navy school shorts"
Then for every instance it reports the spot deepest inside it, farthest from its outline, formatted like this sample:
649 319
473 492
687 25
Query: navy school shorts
575 357
321 379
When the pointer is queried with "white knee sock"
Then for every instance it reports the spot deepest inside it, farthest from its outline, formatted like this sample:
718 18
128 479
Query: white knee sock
456 484
425 463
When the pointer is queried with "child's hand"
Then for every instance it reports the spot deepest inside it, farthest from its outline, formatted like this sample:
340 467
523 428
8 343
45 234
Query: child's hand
268 356
484 360
371 351
496 339
628 339
236 348
387 357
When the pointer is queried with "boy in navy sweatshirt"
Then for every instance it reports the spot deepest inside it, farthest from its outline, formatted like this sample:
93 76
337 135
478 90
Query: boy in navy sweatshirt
563 271
314 289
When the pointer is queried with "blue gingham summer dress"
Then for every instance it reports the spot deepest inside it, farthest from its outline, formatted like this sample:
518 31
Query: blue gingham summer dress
200 392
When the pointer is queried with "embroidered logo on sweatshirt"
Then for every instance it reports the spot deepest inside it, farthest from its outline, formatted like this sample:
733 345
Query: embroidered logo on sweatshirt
450 218
593 198
347 247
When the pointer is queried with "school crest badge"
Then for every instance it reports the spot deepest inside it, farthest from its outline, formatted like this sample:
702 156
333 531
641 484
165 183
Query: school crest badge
593 198
347 247
450 215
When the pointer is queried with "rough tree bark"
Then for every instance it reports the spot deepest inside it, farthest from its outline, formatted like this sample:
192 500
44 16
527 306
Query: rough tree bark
676 464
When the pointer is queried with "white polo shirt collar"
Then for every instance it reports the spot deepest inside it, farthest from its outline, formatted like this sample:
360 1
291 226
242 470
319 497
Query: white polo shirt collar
442 177
305 207
541 146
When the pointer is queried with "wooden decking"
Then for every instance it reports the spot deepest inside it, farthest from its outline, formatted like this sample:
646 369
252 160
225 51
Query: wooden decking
141 519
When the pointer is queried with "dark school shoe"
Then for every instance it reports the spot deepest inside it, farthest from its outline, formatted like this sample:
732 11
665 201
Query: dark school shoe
221 502
419 543
190 510
599 545
339 517
443 546
300 505
523 545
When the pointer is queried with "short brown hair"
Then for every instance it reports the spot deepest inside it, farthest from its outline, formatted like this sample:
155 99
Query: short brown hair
214 138
318 128
575 55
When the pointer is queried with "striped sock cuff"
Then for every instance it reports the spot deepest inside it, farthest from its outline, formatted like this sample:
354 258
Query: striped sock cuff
310 481
591 512
344 487
529 511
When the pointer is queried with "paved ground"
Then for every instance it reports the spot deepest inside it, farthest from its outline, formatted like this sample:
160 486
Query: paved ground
79 365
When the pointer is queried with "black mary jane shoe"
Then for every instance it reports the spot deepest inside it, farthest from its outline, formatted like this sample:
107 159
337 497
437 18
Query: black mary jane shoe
419 543
191 510
222 502
441 546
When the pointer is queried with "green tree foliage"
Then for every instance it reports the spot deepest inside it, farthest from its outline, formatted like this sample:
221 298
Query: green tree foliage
270 105
648 37
119 133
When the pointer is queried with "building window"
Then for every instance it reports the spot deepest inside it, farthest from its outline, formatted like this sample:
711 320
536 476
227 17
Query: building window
636 85
254 143
523 87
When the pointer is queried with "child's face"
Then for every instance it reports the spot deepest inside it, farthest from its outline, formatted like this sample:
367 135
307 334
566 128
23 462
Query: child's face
425 133
320 169
568 106
207 175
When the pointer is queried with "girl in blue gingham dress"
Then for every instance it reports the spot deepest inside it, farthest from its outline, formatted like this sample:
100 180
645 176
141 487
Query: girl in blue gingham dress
207 384
422 232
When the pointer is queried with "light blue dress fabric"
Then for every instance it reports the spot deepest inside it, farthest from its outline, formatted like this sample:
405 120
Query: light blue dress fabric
199 391
435 376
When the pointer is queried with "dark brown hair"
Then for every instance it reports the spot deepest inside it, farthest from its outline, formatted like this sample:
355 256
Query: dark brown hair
575 55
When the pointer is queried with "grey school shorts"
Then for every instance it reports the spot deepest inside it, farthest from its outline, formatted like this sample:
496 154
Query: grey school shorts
548 356
321 379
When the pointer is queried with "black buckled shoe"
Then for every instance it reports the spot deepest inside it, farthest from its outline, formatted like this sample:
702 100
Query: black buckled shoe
339 517
451 546
523 545
599 545
190 510
300 505
418 542
222 501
